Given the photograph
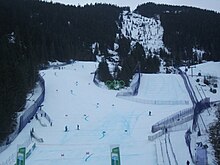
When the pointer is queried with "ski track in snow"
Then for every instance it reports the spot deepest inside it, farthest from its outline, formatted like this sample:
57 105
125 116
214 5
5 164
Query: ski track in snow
126 124
122 123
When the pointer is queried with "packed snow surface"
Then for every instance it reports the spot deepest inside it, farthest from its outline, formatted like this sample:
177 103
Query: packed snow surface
104 120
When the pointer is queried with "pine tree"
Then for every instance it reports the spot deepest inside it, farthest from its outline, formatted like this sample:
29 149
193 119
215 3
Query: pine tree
124 47
103 72
152 64
139 56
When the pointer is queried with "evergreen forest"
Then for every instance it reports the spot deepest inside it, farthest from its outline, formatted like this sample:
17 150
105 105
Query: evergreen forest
33 32
186 28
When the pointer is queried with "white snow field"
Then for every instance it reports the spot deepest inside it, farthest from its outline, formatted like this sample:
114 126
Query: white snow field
165 89
147 31
73 99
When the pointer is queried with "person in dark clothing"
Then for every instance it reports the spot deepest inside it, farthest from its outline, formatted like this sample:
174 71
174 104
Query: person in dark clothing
36 117
187 162
165 130
66 129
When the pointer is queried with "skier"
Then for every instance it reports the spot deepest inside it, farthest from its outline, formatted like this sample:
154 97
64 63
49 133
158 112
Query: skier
66 129
7 141
31 132
36 117
165 130
97 105
77 126
149 113
187 162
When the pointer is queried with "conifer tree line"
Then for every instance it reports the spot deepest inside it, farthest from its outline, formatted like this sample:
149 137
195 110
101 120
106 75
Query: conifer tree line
130 57
33 32
186 28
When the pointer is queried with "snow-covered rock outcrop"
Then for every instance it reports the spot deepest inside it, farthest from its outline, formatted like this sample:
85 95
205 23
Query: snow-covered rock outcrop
147 31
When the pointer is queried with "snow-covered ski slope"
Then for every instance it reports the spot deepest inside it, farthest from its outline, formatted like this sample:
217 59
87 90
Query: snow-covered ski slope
164 89
73 99
147 31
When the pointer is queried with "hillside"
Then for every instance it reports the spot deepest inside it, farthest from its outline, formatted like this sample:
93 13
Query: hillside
105 120
146 31
34 32
187 29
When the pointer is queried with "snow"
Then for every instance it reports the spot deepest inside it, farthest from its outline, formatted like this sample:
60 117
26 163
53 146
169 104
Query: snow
206 69
199 53
147 31
55 63
112 52
12 38
163 87
73 99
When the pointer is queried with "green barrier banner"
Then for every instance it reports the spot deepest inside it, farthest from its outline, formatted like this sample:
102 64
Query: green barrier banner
115 156
21 156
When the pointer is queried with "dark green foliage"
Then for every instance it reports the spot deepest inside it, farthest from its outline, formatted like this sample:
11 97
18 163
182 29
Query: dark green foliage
213 90
103 72
55 31
148 64
127 62
152 64
124 47
15 82
186 28
33 32
127 70
139 56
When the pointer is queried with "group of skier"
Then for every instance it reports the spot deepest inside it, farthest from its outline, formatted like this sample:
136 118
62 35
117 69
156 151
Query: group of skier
66 128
